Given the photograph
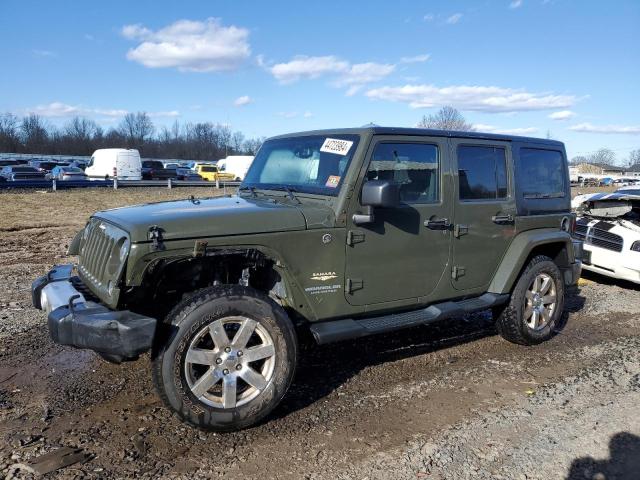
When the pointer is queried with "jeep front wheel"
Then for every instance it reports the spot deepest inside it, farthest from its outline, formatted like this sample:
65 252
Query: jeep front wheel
230 359
536 304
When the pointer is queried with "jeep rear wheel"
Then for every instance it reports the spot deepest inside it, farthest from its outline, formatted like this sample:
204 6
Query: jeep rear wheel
536 304
230 359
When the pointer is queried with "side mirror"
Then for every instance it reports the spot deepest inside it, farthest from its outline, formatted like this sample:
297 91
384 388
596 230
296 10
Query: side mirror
377 193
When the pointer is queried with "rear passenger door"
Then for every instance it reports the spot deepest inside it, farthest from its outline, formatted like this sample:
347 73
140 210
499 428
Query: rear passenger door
485 210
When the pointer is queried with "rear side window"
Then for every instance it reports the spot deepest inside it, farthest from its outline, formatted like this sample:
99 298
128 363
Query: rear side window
413 166
541 173
482 172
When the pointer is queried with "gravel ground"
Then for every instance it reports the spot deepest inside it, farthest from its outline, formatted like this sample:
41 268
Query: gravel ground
452 400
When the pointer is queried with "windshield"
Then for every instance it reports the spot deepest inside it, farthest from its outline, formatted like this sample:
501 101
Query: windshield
208 169
313 164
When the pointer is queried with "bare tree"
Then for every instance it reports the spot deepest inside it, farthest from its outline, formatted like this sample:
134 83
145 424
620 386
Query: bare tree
9 134
252 145
35 135
447 118
579 159
136 128
81 136
237 140
604 156
634 157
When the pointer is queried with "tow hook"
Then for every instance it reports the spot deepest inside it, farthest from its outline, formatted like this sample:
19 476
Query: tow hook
155 235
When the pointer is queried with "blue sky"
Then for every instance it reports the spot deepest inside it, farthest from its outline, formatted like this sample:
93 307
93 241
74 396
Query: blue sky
265 68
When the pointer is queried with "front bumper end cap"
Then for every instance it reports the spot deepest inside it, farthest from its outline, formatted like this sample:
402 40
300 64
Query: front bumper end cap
116 335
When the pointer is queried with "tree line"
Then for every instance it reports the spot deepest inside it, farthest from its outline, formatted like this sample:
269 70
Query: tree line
82 136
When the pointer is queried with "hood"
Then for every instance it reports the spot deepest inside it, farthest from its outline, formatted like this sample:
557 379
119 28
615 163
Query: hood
206 217
620 205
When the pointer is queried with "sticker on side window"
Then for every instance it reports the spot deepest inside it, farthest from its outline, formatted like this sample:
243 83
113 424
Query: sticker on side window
332 181
337 146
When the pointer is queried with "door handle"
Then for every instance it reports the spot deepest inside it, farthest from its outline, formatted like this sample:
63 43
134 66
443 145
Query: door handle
503 219
438 224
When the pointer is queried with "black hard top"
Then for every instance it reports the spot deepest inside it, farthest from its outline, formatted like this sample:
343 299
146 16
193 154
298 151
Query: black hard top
427 132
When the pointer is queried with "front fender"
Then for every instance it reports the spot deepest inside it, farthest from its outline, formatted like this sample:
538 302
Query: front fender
519 251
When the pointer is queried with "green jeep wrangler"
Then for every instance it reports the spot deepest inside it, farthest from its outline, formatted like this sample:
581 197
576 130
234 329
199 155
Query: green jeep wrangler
335 233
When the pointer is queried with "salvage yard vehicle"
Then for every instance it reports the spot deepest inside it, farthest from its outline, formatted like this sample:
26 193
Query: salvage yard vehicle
237 165
333 235
609 226
21 172
67 173
120 163
212 174
155 170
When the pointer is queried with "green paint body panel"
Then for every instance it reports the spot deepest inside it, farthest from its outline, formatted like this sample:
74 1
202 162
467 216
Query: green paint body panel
332 268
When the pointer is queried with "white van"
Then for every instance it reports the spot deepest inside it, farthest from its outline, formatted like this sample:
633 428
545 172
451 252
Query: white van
236 164
120 163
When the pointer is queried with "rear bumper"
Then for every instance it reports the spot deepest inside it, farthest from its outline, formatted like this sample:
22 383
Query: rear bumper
115 335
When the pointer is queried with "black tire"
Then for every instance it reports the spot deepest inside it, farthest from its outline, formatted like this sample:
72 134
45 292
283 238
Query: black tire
189 319
510 320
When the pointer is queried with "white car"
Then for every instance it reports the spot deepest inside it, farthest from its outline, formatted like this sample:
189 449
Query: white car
609 226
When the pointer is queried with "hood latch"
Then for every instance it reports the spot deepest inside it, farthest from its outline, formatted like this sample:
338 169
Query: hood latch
155 235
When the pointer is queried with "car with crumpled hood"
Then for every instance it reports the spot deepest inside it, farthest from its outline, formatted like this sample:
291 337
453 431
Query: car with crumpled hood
608 224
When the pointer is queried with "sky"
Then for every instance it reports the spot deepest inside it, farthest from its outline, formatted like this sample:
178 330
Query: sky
568 69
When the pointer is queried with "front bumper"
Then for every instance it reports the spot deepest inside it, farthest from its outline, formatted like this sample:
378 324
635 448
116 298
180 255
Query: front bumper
73 320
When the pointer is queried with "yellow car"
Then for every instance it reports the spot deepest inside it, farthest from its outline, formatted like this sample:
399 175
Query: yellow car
211 173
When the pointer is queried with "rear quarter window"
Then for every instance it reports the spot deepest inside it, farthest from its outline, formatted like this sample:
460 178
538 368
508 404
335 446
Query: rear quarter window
541 173
542 184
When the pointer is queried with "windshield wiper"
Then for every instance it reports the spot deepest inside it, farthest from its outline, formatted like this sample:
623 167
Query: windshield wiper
289 191
251 189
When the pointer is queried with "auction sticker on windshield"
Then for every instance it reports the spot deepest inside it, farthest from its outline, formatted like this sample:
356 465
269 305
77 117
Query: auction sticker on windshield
337 146
332 181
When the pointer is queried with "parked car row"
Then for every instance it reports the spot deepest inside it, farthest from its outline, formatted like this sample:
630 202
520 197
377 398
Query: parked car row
125 164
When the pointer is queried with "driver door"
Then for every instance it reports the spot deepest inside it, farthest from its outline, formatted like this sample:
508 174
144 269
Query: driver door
403 254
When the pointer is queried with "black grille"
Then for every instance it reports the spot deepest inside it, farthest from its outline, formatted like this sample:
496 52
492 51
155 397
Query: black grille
95 254
598 237
580 232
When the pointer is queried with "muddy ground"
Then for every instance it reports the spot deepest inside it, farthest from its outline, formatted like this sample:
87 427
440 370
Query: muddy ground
452 400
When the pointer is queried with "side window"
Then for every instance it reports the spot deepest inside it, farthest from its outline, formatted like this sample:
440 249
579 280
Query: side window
482 172
541 173
414 166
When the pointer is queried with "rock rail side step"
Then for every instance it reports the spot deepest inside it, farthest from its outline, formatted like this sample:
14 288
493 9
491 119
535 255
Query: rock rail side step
338 330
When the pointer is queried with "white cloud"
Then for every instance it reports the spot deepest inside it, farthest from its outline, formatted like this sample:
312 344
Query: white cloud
515 4
352 76
479 127
467 97
44 53
562 115
453 19
606 129
61 110
416 59
361 74
429 17
287 114
303 66
189 45
169 114
242 101
307 114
